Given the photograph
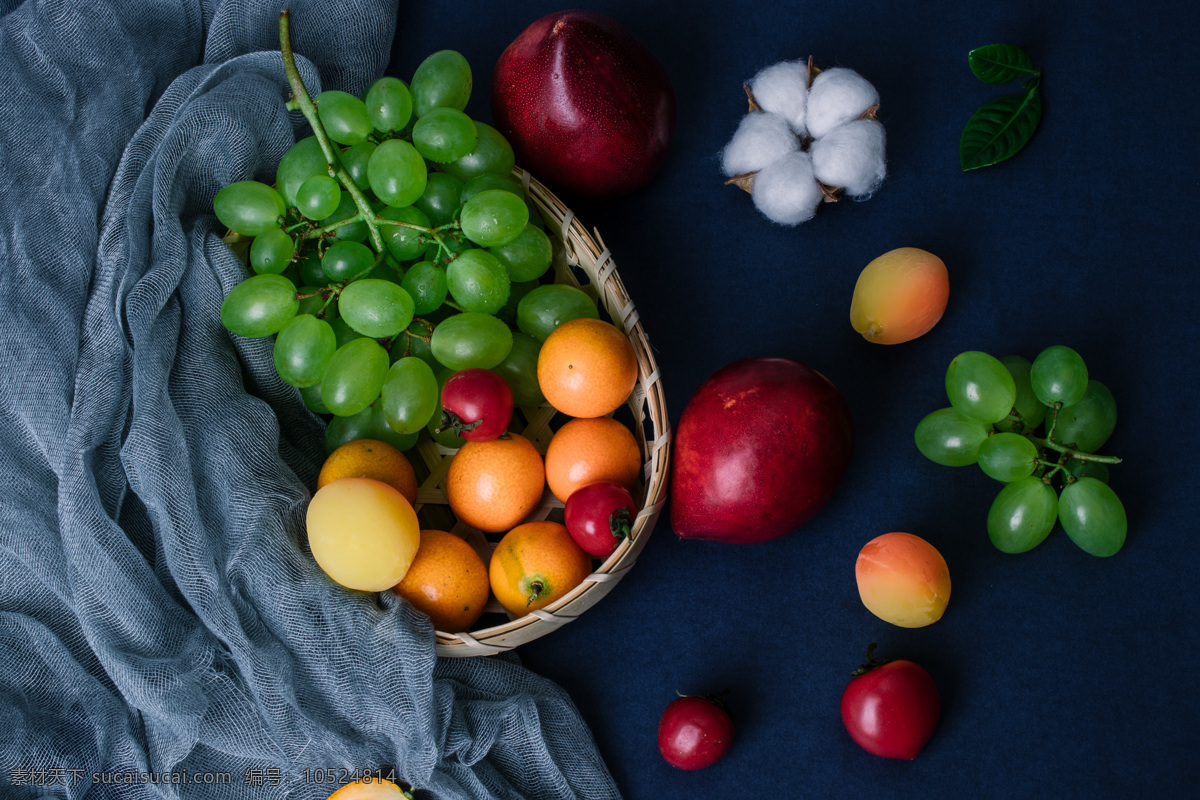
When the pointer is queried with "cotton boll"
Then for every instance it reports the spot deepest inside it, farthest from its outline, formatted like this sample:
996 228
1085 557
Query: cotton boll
837 95
783 89
761 139
786 191
851 156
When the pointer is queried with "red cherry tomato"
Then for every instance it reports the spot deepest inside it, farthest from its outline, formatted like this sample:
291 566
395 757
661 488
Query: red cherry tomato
694 732
891 708
477 404
598 516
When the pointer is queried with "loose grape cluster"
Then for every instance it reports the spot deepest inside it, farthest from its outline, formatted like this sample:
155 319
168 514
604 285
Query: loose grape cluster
997 409
416 252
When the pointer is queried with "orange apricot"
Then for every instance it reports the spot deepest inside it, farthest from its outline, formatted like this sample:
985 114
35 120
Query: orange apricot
899 296
903 579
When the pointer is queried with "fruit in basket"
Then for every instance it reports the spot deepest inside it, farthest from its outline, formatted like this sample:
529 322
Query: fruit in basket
591 449
903 579
477 404
370 458
760 449
534 565
899 296
494 485
599 516
363 533
587 368
695 732
891 708
586 105
370 789
448 581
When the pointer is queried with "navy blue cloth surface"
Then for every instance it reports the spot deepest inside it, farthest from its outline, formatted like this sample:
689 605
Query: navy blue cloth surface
1062 675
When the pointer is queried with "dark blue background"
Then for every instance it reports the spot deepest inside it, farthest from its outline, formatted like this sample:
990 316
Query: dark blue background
1062 675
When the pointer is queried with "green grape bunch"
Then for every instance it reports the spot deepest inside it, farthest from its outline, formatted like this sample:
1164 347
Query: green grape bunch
1035 427
394 248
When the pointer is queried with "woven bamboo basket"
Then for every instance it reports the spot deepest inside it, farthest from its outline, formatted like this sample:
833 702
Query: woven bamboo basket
580 259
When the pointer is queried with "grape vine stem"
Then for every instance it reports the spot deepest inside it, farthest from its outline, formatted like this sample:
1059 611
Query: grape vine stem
305 103
1075 453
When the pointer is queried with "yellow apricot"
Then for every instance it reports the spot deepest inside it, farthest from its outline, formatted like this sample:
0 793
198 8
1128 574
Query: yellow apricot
363 533
899 296
903 579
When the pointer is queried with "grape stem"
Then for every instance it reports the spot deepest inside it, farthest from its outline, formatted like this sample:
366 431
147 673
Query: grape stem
1074 453
305 103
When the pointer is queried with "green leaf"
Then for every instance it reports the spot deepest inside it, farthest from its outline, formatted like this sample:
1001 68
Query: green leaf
999 129
1000 63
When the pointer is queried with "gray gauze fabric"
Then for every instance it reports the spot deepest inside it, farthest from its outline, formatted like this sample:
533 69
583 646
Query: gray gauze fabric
159 611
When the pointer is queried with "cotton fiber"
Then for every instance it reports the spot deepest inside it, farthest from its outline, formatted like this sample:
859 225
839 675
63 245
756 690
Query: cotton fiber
802 144
786 192
851 156
837 95
783 89
760 139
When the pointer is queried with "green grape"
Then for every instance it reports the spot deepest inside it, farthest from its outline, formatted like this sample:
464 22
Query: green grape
249 207
344 260
493 155
343 116
1093 516
403 243
354 376
1022 515
343 331
453 244
319 196
410 395
948 438
489 181
516 293
260 306
1059 375
389 272
355 160
1027 405
528 256
467 340
1087 424
389 103
271 252
426 284
478 281
443 80
520 370
303 349
349 428
311 395
1007 457
311 274
397 173
413 342
980 387
494 217
302 161
375 308
439 201
382 431
545 308
1081 468
444 134
351 231
292 274
313 302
